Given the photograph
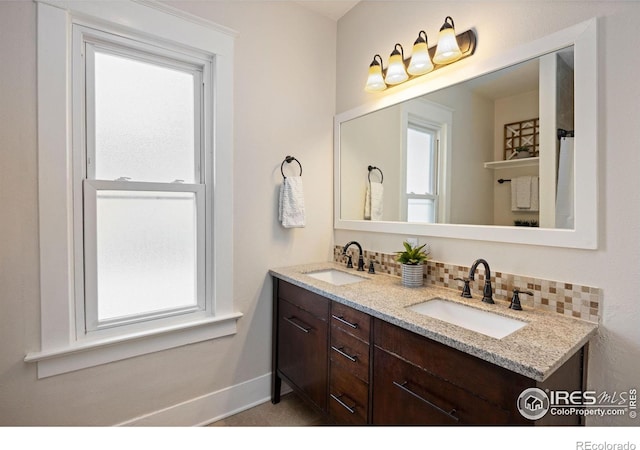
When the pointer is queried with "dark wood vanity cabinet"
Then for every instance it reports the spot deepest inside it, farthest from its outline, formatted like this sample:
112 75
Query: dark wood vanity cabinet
362 370
301 341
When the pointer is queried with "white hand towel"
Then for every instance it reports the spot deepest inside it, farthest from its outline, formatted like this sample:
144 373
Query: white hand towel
373 201
535 194
291 205
525 194
377 192
367 203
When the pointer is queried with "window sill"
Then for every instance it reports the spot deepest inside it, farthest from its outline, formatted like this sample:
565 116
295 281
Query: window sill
95 352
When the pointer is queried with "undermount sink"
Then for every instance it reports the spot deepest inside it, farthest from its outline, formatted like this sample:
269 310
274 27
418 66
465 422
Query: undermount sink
473 319
335 277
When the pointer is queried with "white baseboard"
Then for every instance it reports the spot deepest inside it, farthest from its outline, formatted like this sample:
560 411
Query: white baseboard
210 407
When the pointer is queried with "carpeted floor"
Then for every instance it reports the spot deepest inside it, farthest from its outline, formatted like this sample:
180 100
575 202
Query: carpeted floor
290 412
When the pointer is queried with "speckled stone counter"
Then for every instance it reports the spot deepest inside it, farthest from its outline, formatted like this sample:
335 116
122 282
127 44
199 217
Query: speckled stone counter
536 350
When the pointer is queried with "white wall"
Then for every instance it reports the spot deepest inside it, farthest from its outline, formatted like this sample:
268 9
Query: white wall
283 106
615 354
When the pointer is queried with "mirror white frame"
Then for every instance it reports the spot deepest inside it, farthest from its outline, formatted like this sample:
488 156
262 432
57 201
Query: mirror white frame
583 37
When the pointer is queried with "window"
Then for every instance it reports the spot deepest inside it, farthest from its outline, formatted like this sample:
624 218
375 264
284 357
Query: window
134 237
421 173
426 137
140 186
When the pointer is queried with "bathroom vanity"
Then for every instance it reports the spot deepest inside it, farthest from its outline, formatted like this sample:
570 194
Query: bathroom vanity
353 348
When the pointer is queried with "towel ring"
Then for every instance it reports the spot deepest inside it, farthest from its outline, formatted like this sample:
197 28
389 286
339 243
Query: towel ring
288 159
375 168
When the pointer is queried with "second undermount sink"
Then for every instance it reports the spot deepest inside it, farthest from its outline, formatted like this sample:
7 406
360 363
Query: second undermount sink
468 317
335 277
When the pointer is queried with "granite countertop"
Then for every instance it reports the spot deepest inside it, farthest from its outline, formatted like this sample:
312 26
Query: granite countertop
535 350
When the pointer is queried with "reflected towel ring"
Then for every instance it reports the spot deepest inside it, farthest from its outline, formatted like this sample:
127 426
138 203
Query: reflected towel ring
375 168
288 159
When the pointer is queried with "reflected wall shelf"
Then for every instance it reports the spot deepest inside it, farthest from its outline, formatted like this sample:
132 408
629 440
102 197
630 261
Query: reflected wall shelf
509 164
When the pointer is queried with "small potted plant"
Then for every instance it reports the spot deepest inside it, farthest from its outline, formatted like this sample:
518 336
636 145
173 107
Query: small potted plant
412 259
523 152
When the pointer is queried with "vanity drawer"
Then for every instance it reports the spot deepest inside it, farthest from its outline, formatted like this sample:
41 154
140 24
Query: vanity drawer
350 353
351 321
304 299
405 394
348 397
488 381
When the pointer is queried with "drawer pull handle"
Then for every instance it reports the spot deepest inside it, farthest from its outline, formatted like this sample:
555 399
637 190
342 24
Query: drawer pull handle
344 321
346 355
338 398
404 387
305 329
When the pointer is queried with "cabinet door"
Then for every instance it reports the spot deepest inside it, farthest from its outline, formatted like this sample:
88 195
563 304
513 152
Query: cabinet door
302 352
404 394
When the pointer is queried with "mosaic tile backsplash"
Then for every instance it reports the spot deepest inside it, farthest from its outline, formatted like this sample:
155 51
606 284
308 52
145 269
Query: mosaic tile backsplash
582 302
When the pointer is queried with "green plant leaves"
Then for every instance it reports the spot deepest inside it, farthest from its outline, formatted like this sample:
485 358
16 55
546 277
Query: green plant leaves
412 255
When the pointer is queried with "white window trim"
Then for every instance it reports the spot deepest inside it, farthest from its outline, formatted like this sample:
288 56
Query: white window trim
60 350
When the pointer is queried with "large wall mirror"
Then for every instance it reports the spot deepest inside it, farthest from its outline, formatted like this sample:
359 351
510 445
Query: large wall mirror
503 151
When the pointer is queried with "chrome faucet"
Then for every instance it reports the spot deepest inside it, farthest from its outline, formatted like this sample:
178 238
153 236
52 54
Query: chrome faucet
487 292
360 257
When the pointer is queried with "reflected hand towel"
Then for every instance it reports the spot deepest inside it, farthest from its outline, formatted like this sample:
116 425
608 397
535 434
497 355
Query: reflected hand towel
373 201
525 191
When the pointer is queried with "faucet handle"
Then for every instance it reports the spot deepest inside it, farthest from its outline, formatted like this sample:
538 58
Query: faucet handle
349 262
371 268
515 300
466 290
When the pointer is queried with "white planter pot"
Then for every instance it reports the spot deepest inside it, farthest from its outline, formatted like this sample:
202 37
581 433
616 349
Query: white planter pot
412 275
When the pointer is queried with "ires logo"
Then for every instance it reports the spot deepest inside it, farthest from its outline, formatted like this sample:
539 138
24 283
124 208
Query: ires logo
534 403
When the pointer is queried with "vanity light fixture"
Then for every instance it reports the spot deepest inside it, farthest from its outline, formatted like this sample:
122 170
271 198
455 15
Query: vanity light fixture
450 48
420 59
396 70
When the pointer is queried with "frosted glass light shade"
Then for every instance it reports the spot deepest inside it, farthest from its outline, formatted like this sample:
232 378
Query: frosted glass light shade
420 59
375 80
396 71
448 50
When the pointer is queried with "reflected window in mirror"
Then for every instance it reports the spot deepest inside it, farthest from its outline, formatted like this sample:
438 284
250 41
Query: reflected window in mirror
421 173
